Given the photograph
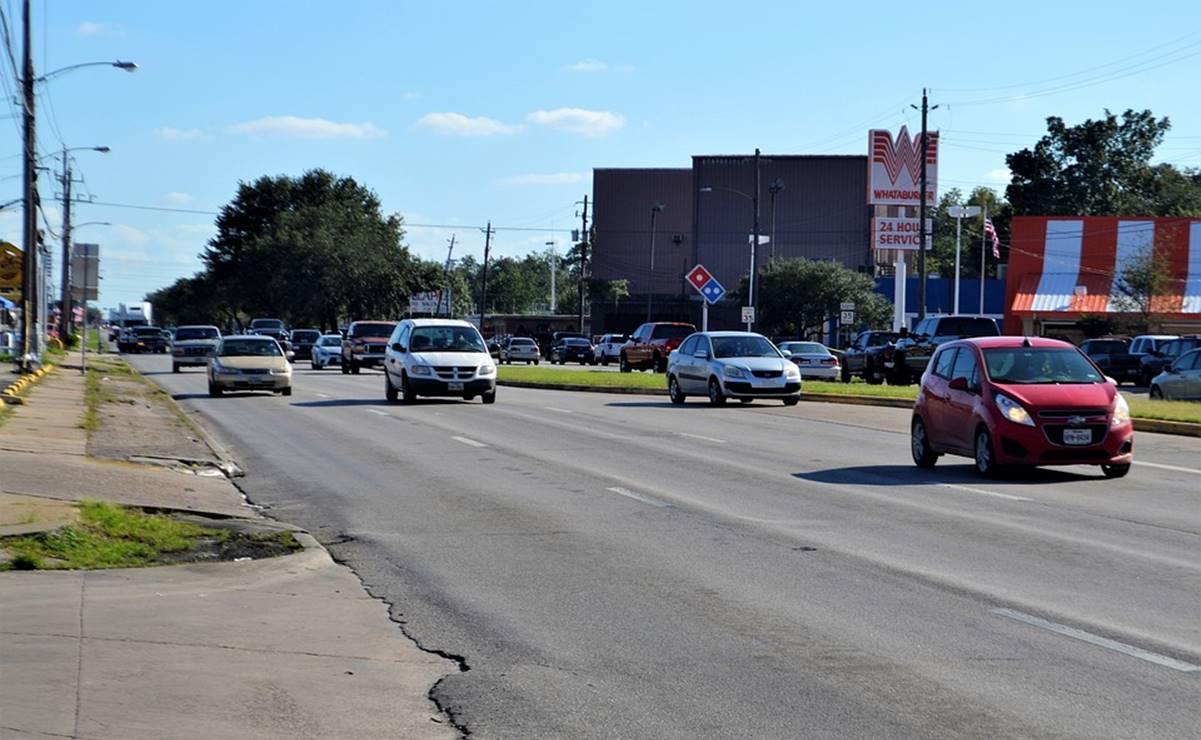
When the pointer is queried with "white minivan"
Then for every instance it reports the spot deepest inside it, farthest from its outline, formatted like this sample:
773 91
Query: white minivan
438 357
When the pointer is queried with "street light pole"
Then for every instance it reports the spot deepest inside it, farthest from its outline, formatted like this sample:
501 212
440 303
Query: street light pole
959 213
776 186
754 247
28 299
64 304
650 277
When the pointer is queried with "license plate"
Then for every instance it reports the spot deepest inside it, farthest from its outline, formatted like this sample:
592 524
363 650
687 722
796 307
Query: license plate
1077 436
454 386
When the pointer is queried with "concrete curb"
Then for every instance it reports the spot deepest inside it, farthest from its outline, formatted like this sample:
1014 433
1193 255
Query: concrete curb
10 394
1182 428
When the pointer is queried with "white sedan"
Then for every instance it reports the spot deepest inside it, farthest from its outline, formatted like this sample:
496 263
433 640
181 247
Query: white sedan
327 351
813 359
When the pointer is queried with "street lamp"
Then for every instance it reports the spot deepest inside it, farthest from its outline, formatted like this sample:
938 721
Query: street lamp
958 213
64 300
650 277
554 268
127 66
776 186
754 199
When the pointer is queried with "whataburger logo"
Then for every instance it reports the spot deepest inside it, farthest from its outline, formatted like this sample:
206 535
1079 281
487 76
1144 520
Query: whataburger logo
904 155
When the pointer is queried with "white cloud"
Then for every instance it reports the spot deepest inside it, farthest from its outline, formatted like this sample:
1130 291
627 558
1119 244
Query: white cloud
587 65
96 28
556 178
307 128
177 198
1000 174
457 124
578 120
168 133
410 95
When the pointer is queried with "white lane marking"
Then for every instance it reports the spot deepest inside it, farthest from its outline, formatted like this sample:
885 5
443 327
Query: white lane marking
1105 642
1161 466
321 395
469 442
561 411
983 492
703 438
638 497
377 412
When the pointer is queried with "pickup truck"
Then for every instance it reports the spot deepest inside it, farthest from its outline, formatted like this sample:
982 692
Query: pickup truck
870 356
1112 355
650 345
364 345
913 353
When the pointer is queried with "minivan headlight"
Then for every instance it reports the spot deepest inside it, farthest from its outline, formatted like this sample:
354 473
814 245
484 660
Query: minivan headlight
487 371
420 370
1014 411
1121 411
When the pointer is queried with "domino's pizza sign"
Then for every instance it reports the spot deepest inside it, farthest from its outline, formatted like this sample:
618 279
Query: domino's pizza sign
707 285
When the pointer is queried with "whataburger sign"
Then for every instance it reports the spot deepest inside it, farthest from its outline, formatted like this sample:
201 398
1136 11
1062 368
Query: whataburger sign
11 271
894 168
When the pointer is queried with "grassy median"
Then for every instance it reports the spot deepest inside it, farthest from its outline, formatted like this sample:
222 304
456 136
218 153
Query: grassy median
1141 408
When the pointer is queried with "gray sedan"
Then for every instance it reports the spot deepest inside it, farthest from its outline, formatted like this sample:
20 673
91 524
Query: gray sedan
731 364
1180 381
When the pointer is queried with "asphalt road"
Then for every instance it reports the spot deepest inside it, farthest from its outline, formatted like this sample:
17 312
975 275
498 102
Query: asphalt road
615 567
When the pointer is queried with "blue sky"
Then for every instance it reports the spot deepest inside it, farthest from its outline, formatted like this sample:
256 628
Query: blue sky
456 113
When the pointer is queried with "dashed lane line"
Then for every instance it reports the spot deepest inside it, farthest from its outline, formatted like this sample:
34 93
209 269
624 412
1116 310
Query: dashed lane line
703 438
377 412
983 492
1161 466
638 497
469 442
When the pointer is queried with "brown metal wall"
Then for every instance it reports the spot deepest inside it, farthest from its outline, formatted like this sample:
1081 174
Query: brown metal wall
622 217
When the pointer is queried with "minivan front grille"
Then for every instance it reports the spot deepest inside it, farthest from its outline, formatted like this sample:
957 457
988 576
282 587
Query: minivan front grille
451 372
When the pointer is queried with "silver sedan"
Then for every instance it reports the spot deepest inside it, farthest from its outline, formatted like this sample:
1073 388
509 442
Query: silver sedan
731 364
1180 381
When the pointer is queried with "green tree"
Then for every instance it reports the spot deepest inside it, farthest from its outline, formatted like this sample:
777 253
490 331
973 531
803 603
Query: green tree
1141 286
1101 168
797 297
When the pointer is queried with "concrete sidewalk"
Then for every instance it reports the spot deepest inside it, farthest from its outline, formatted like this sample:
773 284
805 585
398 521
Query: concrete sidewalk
284 647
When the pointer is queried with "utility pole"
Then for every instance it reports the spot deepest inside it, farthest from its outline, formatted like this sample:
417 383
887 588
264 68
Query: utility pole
64 304
776 186
554 268
583 260
650 276
29 318
921 215
750 299
484 276
450 306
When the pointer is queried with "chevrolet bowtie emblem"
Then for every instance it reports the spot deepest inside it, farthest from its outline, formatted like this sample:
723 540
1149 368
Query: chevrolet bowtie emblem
1075 420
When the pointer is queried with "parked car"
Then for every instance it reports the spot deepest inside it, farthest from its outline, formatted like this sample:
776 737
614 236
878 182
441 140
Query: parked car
364 345
813 359
650 345
731 364
520 349
326 351
870 356
438 357
555 337
303 341
1020 401
573 349
145 339
193 345
1112 355
608 347
1180 381
1164 354
912 354
250 362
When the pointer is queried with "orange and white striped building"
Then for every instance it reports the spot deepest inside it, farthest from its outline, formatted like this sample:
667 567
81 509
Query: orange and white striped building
1063 267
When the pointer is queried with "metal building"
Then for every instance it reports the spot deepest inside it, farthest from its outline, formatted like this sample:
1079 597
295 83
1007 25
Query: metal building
818 210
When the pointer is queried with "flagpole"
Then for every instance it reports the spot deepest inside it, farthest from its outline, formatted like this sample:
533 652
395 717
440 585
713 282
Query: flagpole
983 254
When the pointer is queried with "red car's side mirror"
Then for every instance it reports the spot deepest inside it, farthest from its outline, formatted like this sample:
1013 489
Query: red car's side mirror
959 384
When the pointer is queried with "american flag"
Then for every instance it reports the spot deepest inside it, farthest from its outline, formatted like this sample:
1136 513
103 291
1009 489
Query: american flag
991 232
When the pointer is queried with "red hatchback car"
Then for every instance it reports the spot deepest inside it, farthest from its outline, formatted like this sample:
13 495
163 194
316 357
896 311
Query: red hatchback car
1020 401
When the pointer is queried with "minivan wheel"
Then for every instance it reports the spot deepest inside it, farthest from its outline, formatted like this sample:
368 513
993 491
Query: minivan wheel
919 445
1115 471
673 390
407 394
716 397
390 390
489 397
986 459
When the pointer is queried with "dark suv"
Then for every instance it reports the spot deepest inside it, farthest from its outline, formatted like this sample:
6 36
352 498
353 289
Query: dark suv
1112 355
273 328
913 353
650 345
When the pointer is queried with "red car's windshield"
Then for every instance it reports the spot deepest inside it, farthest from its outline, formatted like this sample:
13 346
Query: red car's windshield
1039 365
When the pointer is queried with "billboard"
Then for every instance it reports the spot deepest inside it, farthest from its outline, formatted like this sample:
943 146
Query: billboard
899 233
894 168
85 272
429 302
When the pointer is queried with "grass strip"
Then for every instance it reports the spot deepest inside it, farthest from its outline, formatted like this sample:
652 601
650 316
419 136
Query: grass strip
1140 408
106 536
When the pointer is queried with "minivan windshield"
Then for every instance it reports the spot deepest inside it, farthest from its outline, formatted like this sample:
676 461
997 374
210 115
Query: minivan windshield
187 333
249 348
446 339
747 345
1039 365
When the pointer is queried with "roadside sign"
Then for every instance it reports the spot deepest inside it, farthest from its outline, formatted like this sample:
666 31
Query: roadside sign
713 291
748 314
846 306
846 317
698 276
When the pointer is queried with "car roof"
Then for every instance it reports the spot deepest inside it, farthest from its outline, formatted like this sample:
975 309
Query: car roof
731 334
1157 336
196 326
376 321
254 337
427 322
1011 341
